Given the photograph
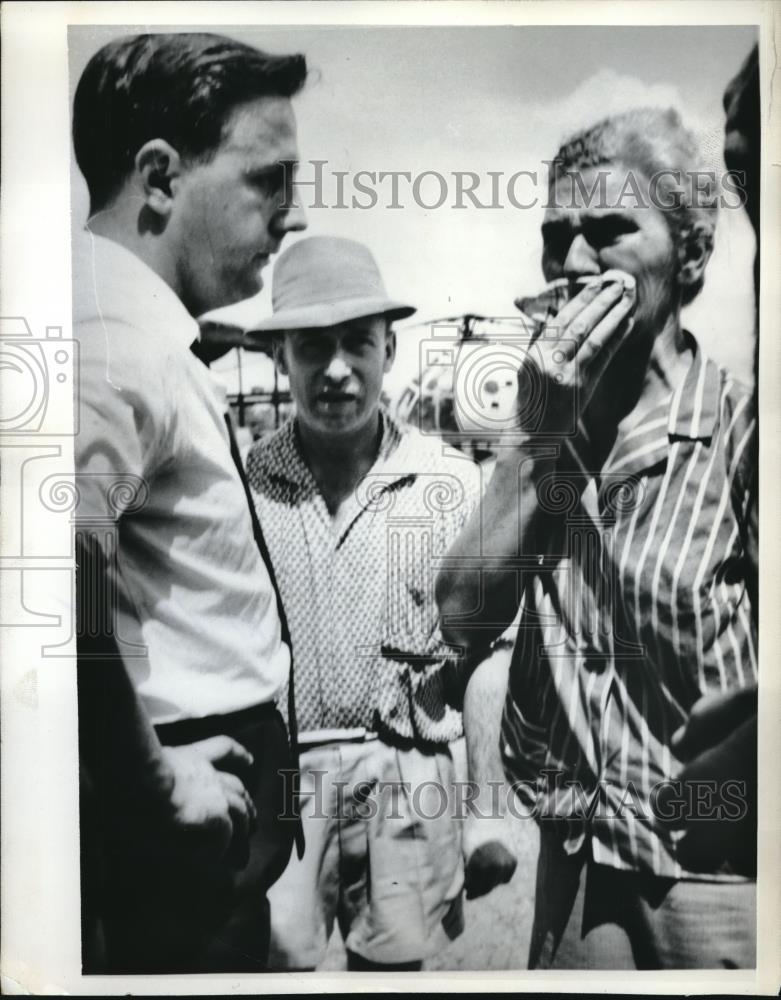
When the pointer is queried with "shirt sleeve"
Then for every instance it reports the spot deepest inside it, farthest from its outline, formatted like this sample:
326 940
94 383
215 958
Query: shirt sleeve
122 426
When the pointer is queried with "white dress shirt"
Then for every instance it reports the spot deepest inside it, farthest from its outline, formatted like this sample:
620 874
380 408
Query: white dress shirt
197 621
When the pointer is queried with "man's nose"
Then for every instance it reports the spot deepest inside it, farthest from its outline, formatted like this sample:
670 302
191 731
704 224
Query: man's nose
581 259
292 219
338 370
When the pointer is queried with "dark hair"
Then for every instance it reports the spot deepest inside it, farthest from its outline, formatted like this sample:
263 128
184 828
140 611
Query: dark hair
655 142
177 87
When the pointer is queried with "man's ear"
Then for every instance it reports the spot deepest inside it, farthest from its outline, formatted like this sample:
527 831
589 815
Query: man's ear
278 350
158 165
390 348
694 252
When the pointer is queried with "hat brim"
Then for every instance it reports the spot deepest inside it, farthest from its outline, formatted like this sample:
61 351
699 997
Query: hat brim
327 314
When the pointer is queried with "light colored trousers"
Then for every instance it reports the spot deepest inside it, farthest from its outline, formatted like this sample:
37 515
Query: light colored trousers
590 916
386 864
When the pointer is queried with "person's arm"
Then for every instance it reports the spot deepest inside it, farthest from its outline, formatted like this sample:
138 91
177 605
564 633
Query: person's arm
718 748
192 796
488 845
717 744
478 587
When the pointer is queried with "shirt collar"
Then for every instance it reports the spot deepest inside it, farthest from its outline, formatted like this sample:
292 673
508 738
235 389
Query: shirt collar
694 410
283 456
689 413
119 285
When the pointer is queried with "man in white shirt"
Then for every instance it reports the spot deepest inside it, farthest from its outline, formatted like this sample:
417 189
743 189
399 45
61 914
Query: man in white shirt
181 140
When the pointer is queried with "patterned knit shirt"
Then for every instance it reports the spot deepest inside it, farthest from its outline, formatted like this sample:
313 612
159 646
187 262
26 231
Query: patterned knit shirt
358 589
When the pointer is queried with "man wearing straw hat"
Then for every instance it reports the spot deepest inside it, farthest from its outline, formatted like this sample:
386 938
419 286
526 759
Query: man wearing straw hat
355 507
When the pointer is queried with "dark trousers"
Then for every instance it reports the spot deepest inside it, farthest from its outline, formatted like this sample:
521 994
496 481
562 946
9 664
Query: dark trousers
162 916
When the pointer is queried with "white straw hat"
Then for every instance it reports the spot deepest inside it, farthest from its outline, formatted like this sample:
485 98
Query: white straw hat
325 280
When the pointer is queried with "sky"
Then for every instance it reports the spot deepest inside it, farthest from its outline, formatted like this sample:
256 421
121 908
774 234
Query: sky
483 100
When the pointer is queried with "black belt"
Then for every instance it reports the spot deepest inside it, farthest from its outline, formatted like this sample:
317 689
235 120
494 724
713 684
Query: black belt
193 730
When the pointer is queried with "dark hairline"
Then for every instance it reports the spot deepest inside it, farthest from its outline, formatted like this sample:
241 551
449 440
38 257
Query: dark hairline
119 76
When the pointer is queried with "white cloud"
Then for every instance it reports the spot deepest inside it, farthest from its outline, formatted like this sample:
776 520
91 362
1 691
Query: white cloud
447 261
608 93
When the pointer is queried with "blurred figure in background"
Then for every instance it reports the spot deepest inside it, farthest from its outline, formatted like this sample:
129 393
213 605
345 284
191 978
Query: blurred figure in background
701 743
743 136
260 421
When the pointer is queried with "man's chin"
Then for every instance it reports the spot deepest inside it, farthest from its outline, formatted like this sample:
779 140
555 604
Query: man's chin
336 421
332 417
253 288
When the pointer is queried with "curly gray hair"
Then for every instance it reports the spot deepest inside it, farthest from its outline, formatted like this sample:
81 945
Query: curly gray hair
655 142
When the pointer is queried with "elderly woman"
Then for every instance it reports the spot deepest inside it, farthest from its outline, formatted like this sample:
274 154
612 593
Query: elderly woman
614 529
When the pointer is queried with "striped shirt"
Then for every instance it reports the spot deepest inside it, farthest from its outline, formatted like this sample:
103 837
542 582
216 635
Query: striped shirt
358 589
637 608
